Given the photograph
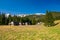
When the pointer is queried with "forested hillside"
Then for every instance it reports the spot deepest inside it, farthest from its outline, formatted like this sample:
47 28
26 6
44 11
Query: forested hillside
56 15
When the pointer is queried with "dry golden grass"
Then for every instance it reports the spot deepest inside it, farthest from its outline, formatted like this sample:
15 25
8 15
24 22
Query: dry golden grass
30 32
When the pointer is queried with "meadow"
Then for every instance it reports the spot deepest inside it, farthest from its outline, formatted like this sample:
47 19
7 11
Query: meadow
30 32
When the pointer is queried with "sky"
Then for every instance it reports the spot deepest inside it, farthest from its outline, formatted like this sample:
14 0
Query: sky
29 6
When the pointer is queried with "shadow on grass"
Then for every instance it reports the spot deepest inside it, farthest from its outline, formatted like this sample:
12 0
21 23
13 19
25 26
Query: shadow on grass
56 24
51 25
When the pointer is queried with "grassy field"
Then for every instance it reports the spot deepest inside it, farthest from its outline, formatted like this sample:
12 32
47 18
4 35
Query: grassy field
30 32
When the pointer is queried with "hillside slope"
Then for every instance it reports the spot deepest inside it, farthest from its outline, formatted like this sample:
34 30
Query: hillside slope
30 32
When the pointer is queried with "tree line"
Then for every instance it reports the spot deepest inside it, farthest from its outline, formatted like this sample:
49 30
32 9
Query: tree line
6 20
48 18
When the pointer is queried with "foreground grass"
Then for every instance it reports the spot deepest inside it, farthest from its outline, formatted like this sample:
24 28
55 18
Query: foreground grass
30 32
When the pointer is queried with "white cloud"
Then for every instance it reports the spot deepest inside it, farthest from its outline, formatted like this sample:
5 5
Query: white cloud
22 15
39 13
6 15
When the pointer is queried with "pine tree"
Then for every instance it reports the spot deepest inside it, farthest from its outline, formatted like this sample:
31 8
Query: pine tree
49 19
0 19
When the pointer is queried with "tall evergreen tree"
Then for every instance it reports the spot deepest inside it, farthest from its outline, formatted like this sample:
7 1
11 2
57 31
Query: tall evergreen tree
49 19
0 19
3 19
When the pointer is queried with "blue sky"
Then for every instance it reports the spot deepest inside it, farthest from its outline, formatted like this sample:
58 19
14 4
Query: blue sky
29 6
